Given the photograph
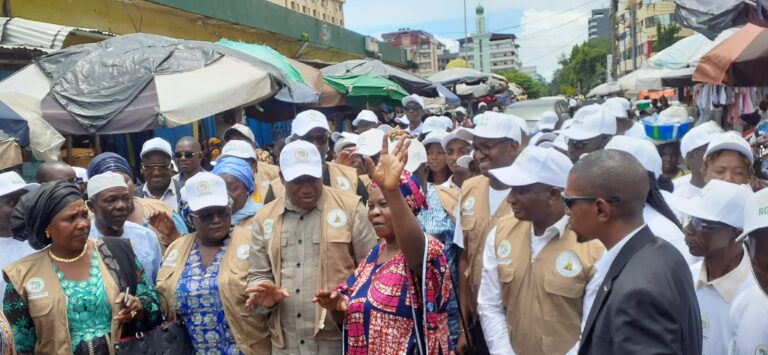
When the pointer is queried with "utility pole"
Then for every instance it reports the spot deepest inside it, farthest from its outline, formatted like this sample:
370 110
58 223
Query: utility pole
465 30
633 17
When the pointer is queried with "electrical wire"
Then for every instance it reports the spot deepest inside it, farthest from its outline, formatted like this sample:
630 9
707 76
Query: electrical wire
545 17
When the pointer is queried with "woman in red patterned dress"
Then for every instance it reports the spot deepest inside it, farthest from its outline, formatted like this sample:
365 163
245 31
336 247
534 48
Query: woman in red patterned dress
403 281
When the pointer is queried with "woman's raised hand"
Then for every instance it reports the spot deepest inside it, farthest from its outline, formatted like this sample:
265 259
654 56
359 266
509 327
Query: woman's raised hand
387 172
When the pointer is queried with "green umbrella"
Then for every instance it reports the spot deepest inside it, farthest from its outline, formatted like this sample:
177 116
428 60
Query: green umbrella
268 55
367 89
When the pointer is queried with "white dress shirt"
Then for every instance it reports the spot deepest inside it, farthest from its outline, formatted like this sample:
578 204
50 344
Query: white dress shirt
168 197
12 251
416 131
665 229
145 245
715 298
490 306
749 324
495 199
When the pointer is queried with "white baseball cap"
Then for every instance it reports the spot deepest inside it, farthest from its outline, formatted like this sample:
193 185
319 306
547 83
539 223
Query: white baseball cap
491 125
385 128
625 104
755 213
434 123
520 122
730 141
548 120
699 136
367 116
369 142
82 173
11 182
482 104
336 136
307 121
205 190
241 129
718 201
417 155
300 158
451 136
435 137
590 122
413 98
104 181
536 165
347 139
558 143
644 150
237 149
156 144
616 109
465 160
402 120
542 137
461 110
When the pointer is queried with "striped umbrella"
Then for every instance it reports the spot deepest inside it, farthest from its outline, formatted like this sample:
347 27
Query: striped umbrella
740 60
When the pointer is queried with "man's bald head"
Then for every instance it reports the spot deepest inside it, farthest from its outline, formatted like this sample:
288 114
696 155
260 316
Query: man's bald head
55 171
610 172
189 142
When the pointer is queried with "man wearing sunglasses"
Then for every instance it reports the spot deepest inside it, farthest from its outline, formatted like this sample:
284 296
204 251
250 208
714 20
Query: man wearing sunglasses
189 156
716 220
641 299
312 126
496 139
157 170
748 321
592 128
413 105
534 269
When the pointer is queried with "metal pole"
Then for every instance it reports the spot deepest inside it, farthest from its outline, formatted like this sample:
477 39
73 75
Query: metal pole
465 32
633 15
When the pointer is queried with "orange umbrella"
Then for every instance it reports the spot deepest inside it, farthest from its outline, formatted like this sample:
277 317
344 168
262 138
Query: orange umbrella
740 60
647 94
328 96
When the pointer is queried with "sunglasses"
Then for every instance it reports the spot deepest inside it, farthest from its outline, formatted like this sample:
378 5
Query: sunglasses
412 109
319 140
570 200
701 225
209 216
155 167
188 155
579 145
76 180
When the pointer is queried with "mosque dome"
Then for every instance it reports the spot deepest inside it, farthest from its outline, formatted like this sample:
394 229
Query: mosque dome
480 10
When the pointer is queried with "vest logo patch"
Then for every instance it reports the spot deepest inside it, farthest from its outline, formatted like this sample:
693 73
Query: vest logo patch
35 285
568 264
337 218
504 249
343 183
704 324
469 207
264 183
761 350
170 261
269 226
243 251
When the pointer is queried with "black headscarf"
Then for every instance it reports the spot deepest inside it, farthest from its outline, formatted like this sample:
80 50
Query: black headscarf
36 210
656 200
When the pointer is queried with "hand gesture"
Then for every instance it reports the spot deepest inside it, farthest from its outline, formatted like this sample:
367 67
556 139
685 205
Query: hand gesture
163 224
265 294
331 300
344 157
387 173
131 309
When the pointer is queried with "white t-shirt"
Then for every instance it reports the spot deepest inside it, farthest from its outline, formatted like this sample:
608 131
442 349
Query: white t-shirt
715 298
636 131
496 198
12 251
665 229
749 323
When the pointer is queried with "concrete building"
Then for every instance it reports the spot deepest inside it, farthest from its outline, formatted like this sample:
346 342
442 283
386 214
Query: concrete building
600 24
489 52
444 58
424 48
533 72
327 10
648 13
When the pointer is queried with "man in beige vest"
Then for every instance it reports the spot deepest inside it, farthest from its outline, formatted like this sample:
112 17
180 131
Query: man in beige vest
534 269
496 139
308 241
312 126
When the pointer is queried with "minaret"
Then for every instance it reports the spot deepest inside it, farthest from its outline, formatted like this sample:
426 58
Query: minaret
481 43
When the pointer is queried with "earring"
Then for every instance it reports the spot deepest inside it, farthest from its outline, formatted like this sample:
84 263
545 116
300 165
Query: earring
47 235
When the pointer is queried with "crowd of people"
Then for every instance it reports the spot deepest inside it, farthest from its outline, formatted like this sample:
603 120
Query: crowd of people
436 235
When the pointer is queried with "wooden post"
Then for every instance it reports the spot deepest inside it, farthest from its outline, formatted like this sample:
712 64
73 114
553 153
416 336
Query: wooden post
69 149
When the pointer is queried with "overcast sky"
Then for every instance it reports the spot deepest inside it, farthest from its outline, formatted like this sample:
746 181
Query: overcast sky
545 28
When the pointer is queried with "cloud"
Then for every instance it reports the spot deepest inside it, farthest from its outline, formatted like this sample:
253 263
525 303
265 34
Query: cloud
451 44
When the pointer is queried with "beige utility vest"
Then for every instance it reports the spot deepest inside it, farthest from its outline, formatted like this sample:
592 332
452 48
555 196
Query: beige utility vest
542 297
263 176
248 328
448 198
476 223
34 279
342 177
336 261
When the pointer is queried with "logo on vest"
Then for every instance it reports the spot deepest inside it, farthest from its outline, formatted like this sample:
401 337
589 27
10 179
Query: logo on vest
243 251
170 261
264 183
504 249
704 324
337 218
35 287
568 264
469 207
343 183
269 225
761 349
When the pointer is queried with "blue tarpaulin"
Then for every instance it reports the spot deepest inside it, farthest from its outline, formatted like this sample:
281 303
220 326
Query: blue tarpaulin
14 125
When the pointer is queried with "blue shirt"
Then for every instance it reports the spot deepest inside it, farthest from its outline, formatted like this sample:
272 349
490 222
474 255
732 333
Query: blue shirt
145 244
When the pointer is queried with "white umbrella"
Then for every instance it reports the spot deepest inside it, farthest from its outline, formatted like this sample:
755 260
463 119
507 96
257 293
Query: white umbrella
605 89
687 51
645 78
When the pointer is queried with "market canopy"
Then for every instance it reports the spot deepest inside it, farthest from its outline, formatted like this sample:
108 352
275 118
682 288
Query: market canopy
450 77
711 17
740 60
412 83
367 89
12 125
605 89
687 51
645 78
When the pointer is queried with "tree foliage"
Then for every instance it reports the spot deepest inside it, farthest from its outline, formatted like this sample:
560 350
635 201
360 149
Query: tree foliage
665 36
585 68
534 88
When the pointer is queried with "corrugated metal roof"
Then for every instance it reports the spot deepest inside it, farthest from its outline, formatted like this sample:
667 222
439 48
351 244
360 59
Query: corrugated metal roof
40 35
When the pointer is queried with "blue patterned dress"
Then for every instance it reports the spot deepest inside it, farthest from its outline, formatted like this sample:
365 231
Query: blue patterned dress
436 222
199 305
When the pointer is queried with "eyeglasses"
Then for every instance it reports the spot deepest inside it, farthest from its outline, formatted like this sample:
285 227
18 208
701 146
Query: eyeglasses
485 149
569 200
209 216
76 180
155 167
579 145
188 155
319 140
412 109
700 224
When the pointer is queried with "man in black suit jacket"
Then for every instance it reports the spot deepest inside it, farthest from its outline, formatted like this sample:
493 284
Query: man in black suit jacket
644 300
